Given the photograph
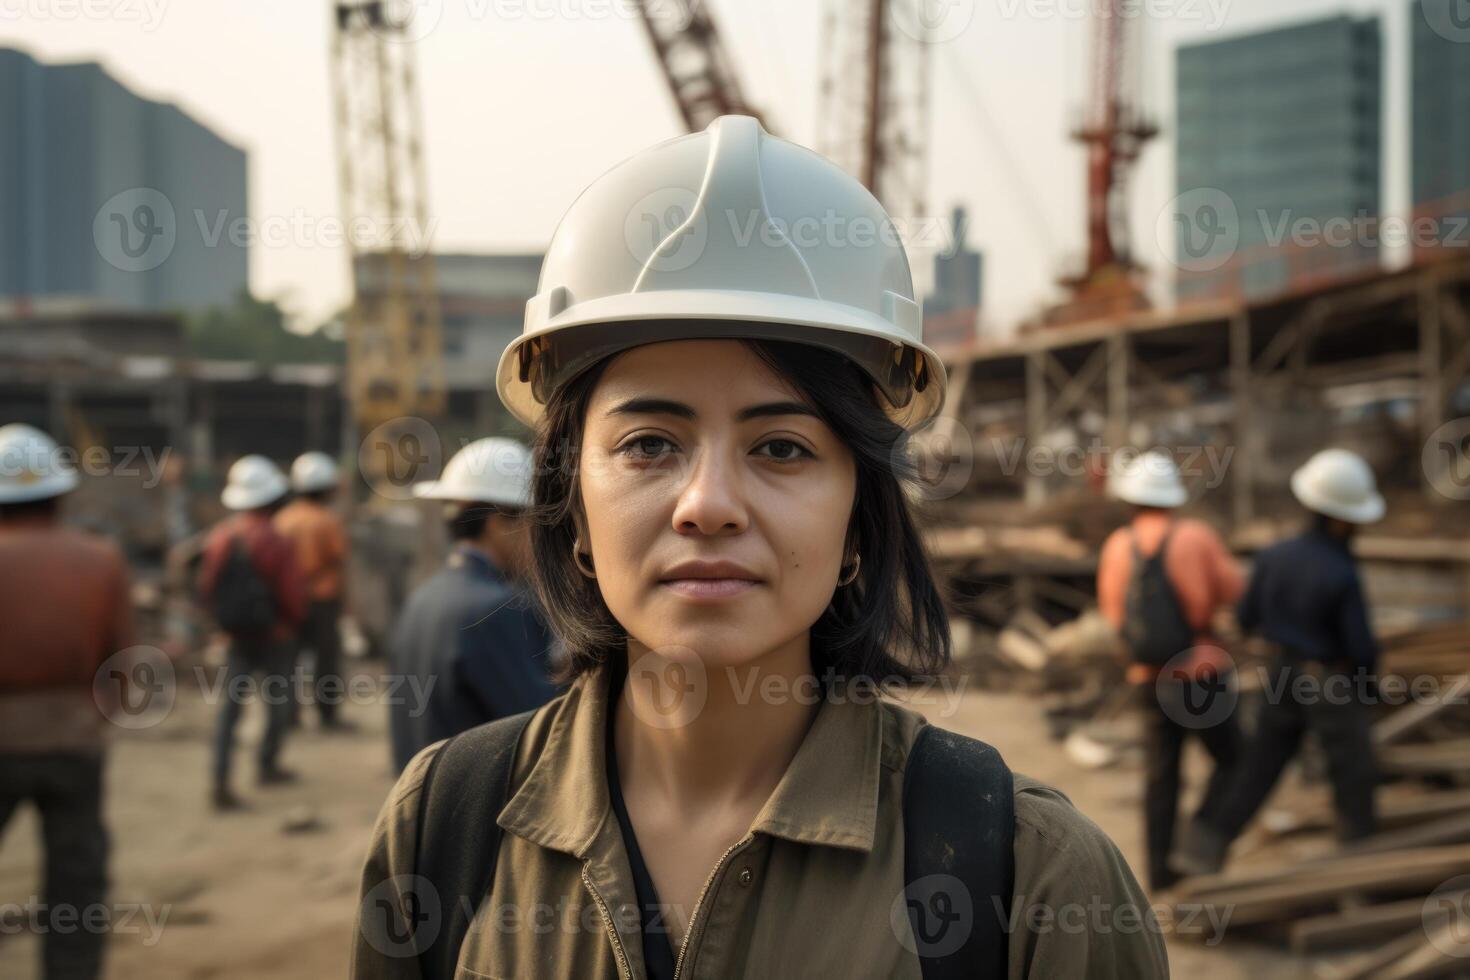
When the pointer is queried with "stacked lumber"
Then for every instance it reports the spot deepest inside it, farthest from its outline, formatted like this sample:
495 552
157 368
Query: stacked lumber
1399 901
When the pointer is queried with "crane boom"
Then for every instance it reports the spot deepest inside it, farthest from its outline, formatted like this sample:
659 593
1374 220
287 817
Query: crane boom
692 55
395 362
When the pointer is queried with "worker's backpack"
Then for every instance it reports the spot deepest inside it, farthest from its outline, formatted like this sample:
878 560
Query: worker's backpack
959 835
241 600
1154 627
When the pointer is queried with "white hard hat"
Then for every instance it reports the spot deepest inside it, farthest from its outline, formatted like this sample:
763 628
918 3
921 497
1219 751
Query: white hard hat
1149 480
1339 484
254 481
731 232
313 472
31 466
487 471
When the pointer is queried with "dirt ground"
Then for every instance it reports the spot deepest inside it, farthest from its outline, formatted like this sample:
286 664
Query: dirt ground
253 895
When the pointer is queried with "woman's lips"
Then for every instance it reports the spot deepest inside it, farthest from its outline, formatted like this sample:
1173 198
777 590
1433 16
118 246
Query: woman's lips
709 588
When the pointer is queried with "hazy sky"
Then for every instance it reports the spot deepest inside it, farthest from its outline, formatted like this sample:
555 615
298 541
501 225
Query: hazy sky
526 101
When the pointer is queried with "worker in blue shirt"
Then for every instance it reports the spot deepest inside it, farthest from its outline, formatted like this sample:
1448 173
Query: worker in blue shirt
1306 600
471 642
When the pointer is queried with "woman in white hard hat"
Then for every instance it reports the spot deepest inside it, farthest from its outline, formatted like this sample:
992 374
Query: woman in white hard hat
1305 599
720 365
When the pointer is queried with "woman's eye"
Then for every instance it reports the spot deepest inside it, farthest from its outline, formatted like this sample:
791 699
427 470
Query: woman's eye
645 447
786 450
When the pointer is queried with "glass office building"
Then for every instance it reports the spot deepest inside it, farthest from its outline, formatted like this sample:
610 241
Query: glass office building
1440 157
1279 143
111 200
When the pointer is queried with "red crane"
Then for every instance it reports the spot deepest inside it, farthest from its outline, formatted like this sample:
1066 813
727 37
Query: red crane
1115 131
700 72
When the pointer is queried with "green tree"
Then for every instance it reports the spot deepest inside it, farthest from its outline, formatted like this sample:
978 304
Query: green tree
255 330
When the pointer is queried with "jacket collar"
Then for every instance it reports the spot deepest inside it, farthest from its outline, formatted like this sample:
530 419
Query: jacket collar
474 560
828 794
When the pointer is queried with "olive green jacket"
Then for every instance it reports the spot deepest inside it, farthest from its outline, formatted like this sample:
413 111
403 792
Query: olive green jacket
815 889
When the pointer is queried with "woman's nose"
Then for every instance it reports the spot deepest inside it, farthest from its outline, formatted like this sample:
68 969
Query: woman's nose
711 500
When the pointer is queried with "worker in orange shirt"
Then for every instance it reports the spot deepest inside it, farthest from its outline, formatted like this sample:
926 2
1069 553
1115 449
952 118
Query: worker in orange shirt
66 610
316 531
1160 580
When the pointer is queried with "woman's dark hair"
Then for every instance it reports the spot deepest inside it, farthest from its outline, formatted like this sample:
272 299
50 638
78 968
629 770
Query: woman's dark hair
890 622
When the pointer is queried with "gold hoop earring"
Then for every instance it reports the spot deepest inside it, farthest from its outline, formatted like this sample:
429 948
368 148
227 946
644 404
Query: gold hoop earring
577 559
857 562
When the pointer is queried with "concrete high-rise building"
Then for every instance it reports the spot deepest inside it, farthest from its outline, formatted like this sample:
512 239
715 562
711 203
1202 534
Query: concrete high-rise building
952 310
113 201
1279 148
1441 122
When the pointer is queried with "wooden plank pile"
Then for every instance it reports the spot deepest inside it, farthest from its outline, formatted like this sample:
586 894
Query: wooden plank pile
1398 903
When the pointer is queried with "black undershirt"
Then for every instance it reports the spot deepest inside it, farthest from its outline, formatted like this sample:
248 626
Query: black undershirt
658 950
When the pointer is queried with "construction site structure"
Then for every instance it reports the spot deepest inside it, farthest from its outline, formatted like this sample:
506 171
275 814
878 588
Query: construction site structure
1114 130
873 117
395 361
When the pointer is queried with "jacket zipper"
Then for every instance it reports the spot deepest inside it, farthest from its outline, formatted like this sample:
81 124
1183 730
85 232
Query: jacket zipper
624 970
699 902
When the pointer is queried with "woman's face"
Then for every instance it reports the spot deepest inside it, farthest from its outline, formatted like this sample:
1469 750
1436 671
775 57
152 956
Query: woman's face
696 451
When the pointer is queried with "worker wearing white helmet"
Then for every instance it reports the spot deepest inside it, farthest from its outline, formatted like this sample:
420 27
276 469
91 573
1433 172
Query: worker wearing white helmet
1305 599
320 540
1161 579
719 364
250 580
65 624
471 638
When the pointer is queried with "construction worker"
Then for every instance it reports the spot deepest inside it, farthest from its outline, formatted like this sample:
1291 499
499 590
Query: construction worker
1306 600
721 368
1160 581
65 609
470 636
310 524
251 583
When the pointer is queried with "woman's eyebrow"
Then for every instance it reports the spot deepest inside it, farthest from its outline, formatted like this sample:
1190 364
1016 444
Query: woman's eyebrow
662 406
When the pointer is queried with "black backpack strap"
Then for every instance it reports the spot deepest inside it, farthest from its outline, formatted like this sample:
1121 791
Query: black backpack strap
465 787
959 830
1138 555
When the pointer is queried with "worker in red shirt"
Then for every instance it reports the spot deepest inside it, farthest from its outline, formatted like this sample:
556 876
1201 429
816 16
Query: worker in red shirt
66 612
252 585
1160 580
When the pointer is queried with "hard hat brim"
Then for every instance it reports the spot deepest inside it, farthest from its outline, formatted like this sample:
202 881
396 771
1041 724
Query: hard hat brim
241 498
1370 511
1172 497
598 329
55 485
439 490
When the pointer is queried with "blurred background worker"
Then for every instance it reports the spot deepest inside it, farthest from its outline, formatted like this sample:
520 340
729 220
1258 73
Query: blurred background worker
251 584
1160 581
64 609
1306 599
316 531
471 637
